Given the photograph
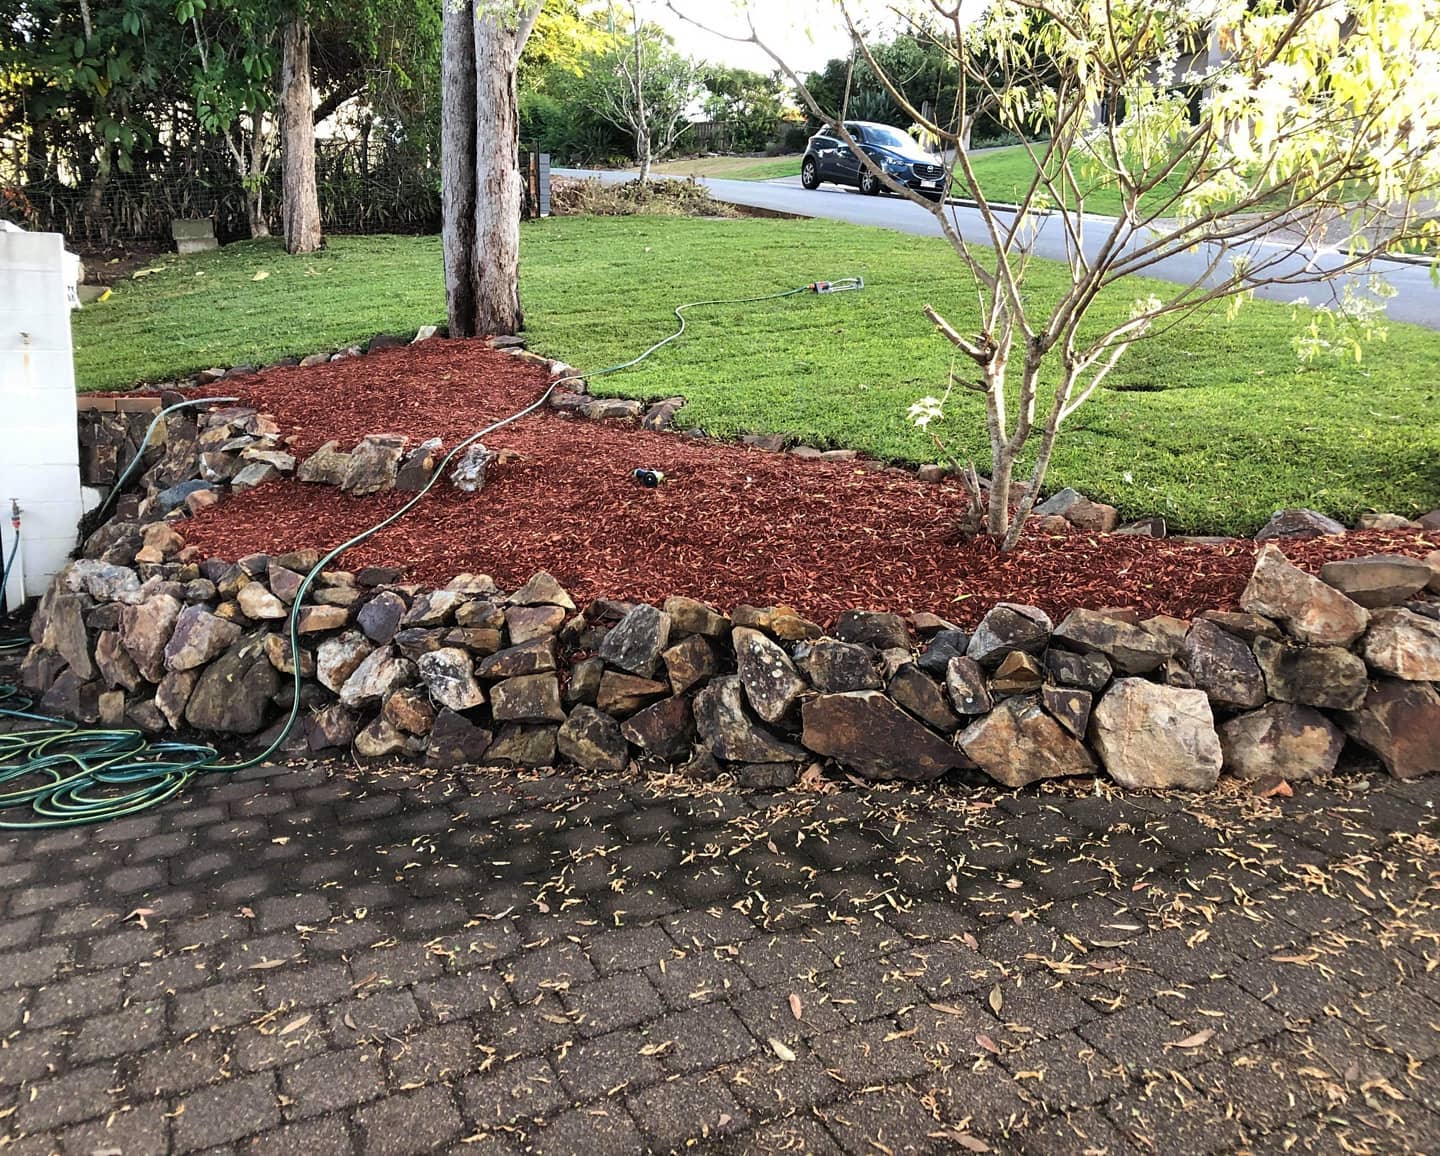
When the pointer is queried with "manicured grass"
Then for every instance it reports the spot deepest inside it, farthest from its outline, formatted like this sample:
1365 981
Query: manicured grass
734 168
1214 425
1005 175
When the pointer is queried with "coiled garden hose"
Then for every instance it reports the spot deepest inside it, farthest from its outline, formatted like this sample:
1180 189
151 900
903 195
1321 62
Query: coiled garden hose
61 775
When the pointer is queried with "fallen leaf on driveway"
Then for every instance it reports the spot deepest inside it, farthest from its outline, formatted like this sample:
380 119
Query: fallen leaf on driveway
797 1009
1198 1040
780 1049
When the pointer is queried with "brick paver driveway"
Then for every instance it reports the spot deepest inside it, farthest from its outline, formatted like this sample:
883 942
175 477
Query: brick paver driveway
327 959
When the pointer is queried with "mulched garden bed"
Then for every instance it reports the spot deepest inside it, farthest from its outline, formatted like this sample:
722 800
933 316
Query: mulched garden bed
731 524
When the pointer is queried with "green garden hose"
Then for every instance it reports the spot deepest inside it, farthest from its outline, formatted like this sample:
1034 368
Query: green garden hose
60 775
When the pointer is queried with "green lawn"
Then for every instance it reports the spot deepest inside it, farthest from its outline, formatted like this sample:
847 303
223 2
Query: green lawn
1005 175
734 168
1214 426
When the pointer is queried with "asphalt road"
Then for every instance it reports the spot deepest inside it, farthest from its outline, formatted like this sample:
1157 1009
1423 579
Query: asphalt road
1417 299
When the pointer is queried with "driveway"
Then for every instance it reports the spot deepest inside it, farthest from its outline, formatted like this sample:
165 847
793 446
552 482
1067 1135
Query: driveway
327 958
1417 299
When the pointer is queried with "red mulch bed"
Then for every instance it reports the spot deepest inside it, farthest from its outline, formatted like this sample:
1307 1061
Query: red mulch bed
730 524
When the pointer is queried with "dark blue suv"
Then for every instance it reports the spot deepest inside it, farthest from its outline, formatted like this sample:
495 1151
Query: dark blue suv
828 158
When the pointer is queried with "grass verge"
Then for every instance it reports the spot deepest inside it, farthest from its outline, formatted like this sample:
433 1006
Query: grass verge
1214 425
734 168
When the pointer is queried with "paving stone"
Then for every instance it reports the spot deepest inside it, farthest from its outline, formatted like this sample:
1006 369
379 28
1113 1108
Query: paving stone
776 959
462 996
84 995
131 1031
629 949
554 968
1177 1119
617 1002
379 1016
141 1128
597 1130
868 1054
410 1122
684 1109
328 1083
283 1039
700 976
432 1055
312 1137
597 1067
226 1112
881 1119
507 1092
219 1006
180 1067
81 1094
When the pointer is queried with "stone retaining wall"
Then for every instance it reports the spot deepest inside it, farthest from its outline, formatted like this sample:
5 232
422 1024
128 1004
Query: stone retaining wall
472 674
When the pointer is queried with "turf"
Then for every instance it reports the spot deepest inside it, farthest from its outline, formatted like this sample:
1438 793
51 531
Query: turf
734 168
1214 425
1005 175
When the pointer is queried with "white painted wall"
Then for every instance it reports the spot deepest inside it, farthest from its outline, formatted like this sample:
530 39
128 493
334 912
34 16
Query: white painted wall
39 454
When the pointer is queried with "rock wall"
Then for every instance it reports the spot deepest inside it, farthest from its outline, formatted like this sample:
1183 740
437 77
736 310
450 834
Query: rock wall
471 674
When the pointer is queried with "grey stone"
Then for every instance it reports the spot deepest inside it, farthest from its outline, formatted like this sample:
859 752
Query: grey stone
1070 707
199 636
1090 671
872 628
373 464
593 740
1280 740
942 647
866 732
379 740
1130 648
965 682
519 745
834 667
449 674
116 666
174 497
418 466
772 684
455 741
381 673
534 657
584 683
1018 743
1403 644
528 698
1308 608
1298 523
103 581
727 730
1008 626
1242 624
1080 511
1377 580
234 692
542 590
921 695
435 608
665 729
249 476
1319 676
380 617
330 728
336 659
1157 737
172 696
1222 666
526 622
635 642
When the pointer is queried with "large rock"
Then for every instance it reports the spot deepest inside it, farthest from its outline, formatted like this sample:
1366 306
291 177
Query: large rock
380 617
331 728
1377 580
965 683
771 682
1070 707
373 464
455 741
1018 673
593 740
622 694
1308 608
326 466
116 667
1080 511
1009 626
1019 743
542 590
336 659
689 663
1320 676
942 647
1090 671
258 603
1130 648
410 710
449 674
534 657
173 695
380 740
234 692
382 673
922 696
1403 644
103 581
145 629
530 698
1298 523
665 729
873 628
1157 737
689 616
866 732
527 622
1400 722
1222 666
199 636
634 643
1280 740
728 732
523 745
833 667
435 608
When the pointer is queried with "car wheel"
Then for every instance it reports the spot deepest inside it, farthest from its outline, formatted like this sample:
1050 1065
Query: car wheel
869 183
810 173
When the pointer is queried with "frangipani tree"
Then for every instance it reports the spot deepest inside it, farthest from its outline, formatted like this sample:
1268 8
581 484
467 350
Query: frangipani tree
1287 142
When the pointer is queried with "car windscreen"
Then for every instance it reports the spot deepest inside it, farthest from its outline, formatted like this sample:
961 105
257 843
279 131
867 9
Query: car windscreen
893 139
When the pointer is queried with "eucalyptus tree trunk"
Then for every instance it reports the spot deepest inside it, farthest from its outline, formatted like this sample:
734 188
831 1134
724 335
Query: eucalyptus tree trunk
253 178
480 167
301 206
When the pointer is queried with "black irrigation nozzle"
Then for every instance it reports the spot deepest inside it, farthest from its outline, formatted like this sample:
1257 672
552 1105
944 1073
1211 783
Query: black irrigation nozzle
648 478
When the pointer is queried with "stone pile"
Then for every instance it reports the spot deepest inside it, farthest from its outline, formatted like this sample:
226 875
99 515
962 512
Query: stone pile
471 674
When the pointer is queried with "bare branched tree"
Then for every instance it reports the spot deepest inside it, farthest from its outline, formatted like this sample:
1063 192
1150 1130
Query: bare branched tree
1288 142
651 91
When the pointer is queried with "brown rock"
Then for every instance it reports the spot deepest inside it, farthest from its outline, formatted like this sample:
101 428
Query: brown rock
172 696
116 666
866 732
527 622
534 657
277 650
592 740
1319 676
834 667
1009 626
1400 722
199 636
1018 673
1309 609
314 619
1132 649
634 643
145 629
871 628
1298 523
1018 743
409 710
1222 666
1403 644
965 682
326 466
337 658
1069 706
689 663
665 729
373 464
922 696
542 590
1080 511
687 616
1245 626
531 698
622 694
727 730
455 741
1280 740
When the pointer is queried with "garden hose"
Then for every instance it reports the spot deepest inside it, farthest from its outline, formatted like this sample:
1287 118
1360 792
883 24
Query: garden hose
62 775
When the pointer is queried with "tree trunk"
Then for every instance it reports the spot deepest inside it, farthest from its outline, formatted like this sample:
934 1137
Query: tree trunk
495 261
457 163
301 208
254 179
642 151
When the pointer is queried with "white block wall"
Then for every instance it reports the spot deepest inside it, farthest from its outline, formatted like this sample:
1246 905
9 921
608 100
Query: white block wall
39 454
